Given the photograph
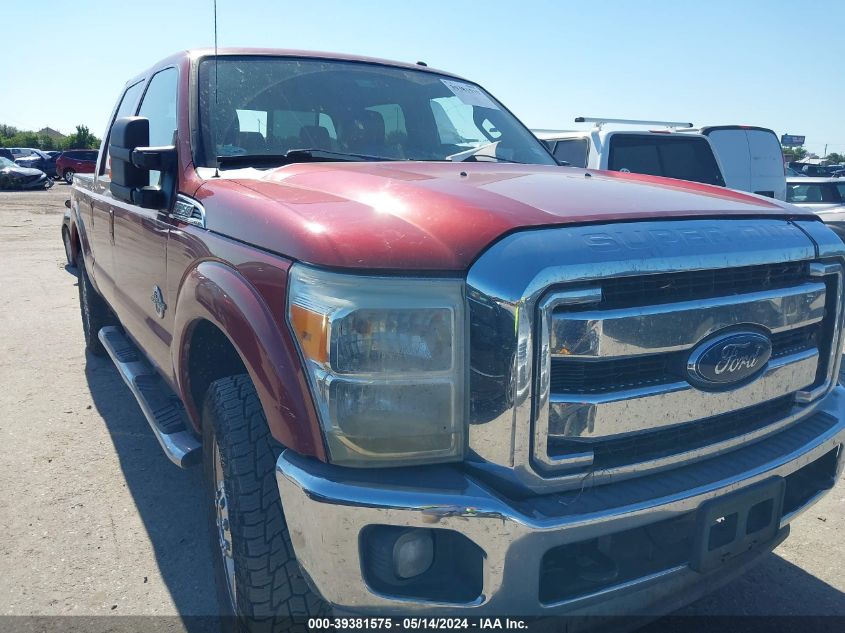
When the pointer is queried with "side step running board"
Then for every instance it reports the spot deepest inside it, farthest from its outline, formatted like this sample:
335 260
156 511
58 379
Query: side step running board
161 407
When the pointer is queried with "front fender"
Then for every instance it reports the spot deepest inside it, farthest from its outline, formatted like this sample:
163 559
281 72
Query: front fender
218 293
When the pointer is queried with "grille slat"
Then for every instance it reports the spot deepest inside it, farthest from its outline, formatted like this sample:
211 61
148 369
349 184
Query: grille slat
656 444
616 374
699 284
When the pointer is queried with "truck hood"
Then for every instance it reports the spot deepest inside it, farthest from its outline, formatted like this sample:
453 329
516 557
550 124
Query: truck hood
440 216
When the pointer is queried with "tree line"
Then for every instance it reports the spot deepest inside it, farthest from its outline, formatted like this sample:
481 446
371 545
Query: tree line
798 153
82 138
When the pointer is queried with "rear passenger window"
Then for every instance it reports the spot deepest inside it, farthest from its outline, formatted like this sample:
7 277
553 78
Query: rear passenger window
573 151
159 106
679 157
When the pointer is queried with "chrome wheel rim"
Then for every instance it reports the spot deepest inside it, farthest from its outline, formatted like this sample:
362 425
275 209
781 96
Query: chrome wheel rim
224 531
69 176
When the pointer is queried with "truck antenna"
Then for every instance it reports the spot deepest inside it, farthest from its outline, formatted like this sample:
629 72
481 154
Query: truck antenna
215 51
216 162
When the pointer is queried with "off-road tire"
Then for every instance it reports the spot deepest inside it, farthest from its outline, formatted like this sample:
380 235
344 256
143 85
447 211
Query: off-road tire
68 247
270 591
94 310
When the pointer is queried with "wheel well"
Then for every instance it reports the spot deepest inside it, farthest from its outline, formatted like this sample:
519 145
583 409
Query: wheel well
211 356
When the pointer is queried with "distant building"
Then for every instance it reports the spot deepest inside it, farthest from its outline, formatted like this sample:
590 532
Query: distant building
53 134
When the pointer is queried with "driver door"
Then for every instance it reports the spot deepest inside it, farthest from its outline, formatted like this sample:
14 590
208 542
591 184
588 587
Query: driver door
140 241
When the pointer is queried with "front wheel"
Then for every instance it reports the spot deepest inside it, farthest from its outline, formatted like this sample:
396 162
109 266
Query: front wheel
68 247
258 577
68 176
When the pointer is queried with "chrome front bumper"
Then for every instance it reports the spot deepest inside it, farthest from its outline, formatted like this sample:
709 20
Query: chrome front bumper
327 507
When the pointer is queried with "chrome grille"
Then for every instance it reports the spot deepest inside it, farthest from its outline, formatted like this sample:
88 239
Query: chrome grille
613 388
557 288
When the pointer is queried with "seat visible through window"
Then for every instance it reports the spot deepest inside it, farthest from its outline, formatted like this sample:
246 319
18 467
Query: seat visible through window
315 137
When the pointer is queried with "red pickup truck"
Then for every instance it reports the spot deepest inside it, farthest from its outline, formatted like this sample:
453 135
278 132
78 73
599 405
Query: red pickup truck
428 370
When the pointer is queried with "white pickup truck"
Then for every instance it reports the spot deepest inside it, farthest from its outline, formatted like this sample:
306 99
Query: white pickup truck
742 157
654 152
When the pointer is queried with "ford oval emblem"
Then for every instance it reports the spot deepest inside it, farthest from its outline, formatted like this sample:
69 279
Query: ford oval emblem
726 361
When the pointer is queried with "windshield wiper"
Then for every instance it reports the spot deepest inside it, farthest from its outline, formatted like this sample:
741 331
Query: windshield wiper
473 158
303 155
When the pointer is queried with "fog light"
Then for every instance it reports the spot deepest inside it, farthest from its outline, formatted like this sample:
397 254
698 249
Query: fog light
395 555
413 553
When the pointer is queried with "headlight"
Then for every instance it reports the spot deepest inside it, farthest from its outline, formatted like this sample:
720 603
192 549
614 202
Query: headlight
385 360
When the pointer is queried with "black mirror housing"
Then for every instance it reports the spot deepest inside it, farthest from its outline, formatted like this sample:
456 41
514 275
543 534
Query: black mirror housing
132 161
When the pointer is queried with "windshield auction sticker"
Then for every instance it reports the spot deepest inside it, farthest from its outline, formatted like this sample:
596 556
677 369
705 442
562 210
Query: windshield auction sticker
469 94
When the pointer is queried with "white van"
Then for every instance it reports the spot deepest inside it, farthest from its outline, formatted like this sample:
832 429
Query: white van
653 152
751 158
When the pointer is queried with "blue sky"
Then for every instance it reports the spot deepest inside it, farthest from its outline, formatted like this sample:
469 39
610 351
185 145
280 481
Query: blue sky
757 62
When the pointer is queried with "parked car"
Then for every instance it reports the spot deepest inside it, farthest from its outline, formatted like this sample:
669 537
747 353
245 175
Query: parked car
14 176
750 157
39 160
817 194
75 161
22 152
789 172
428 370
823 196
808 169
653 152
7 154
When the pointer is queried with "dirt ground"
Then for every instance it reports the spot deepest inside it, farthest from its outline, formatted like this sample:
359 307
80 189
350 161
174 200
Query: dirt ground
96 521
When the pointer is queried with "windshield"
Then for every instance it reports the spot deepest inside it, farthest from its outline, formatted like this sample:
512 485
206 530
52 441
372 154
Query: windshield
5 162
266 107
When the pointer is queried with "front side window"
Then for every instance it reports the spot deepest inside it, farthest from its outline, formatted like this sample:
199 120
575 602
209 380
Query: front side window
682 157
255 110
159 106
128 103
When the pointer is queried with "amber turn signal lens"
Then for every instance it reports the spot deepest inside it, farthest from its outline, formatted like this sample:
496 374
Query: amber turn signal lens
311 331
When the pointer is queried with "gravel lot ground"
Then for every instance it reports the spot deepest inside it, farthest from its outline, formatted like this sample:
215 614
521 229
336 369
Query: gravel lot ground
98 522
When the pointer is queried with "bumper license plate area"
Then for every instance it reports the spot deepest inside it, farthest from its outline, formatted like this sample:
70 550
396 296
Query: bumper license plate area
737 523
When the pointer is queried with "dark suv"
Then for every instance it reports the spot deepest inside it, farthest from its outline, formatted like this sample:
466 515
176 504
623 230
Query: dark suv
76 161
40 160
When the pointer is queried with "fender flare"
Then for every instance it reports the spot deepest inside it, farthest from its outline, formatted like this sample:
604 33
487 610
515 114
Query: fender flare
218 293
